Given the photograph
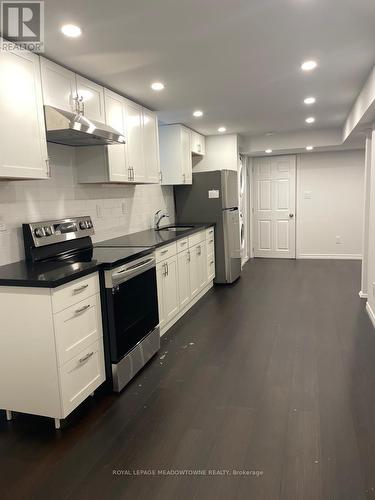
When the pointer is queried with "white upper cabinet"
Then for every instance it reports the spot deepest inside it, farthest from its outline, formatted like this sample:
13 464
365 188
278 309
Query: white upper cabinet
134 142
151 146
198 143
115 117
23 147
91 99
175 154
59 86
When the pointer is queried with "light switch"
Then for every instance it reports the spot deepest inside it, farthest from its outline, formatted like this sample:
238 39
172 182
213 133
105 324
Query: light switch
307 195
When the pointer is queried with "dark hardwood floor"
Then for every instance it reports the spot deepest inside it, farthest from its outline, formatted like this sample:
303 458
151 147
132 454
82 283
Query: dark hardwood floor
274 376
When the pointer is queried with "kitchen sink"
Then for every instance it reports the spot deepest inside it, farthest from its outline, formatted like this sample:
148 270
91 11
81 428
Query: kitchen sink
175 228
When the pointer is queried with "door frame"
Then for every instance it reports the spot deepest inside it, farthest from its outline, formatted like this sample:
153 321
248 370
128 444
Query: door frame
252 198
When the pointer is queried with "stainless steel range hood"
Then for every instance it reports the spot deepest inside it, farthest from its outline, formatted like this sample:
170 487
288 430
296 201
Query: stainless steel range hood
74 129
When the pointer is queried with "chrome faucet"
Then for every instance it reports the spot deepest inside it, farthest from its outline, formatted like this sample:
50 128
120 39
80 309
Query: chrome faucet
158 218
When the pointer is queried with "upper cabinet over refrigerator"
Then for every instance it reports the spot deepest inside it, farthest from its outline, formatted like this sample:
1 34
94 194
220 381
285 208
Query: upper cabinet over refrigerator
23 147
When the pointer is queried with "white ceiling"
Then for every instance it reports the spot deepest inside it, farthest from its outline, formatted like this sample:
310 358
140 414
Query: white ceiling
237 60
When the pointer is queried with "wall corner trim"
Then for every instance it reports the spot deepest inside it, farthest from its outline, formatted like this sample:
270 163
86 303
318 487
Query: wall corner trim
370 313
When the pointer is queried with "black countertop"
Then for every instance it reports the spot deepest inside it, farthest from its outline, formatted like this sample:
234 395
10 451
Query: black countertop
153 239
105 255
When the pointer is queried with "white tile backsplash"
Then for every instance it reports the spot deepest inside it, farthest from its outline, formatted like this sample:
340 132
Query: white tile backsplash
122 209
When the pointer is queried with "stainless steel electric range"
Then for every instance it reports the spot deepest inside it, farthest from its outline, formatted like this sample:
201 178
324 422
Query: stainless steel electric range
128 289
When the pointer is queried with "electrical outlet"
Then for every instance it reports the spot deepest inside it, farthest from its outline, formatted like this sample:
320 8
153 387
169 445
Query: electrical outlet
99 211
3 227
338 240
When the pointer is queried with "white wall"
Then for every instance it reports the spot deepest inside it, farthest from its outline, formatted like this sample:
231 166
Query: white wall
371 236
124 209
335 182
221 153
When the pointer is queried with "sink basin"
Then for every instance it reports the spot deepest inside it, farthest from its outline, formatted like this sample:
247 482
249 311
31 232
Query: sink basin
175 228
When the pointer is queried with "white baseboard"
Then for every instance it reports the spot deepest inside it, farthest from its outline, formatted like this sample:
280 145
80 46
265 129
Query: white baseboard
185 310
371 314
363 295
338 256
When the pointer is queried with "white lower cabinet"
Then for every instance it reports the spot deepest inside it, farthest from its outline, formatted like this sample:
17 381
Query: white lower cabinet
54 349
184 287
167 278
182 278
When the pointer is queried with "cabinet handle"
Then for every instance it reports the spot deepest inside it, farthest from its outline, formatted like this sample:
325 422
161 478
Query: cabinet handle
167 268
199 250
80 288
212 262
129 174
188 256
183 178
85 358
211 231
183 243
211 241
82 309
163 252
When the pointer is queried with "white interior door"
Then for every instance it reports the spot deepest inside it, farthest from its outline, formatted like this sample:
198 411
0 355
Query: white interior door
274 207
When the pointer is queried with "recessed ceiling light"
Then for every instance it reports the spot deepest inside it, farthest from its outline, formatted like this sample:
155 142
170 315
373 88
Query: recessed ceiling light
310 119
71 30
157 86
309 148
310 100
268 151
221 129
309 65
198 113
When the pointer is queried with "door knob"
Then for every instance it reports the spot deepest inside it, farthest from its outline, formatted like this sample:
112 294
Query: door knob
291 216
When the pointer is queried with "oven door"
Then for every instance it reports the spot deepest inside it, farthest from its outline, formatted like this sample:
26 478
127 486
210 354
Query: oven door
133 307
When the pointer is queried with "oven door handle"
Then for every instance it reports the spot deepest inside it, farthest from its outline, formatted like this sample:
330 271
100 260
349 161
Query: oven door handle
132 271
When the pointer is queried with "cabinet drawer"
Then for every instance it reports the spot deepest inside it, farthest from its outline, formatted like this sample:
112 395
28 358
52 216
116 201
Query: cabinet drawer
210 266
165 252
71 293
76 327
182 244
196 238
210 242
210 233
81 376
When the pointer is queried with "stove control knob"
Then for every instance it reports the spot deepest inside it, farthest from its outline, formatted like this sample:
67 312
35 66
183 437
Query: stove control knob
39 232
48 231
89 224
83 225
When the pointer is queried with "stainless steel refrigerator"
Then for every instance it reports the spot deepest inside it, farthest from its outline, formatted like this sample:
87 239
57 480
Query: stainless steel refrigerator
213 198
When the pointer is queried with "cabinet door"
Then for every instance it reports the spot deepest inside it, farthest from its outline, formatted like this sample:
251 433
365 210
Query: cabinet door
160 277
186 162
202 265
91 96
183 259
58 85
194 271
134 148
151 146
114 117
23 146
171 289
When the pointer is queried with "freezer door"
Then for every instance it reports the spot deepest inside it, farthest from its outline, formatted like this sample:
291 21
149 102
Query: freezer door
229 188
231 223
